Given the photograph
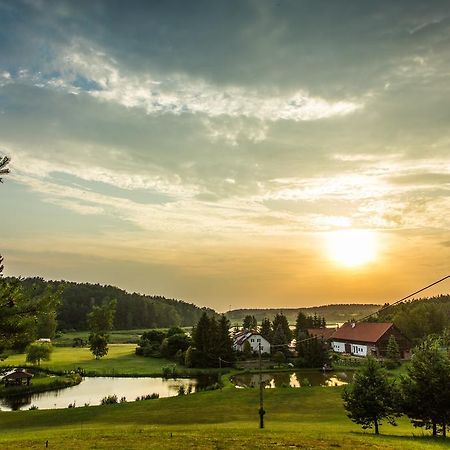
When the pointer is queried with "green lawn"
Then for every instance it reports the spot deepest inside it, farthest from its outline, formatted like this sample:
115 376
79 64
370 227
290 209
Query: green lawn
296 418
115 336
121 359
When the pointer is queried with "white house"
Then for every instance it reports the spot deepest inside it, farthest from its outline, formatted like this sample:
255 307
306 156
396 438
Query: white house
253 338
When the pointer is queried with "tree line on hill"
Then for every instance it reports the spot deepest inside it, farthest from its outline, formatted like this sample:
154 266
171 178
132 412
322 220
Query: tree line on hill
133 311
333 313
419 318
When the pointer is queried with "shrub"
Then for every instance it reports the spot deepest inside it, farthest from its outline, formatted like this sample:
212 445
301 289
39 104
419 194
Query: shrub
109 400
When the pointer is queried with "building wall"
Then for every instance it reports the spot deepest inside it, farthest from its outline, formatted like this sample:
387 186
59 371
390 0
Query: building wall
338 347
254 341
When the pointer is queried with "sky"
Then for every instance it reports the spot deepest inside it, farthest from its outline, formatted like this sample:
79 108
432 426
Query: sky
229 153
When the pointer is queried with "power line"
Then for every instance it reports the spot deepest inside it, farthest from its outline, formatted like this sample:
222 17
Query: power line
403 299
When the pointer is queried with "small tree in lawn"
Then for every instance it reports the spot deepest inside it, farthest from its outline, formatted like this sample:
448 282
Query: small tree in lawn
100 321
371 397
393 352
98 345
37 352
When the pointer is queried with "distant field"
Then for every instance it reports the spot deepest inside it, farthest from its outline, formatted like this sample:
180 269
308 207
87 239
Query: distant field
121 359
307 418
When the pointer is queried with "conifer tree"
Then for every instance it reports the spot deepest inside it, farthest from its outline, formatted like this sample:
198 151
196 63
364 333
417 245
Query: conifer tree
371 397
425 392
266 329
393 351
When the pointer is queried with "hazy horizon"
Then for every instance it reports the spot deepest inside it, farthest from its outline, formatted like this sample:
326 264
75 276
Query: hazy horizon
243 153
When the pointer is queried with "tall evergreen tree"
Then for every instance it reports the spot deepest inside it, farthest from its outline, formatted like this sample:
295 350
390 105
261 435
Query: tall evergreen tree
280 320
393 351
266 329
425 392
301 324
371 397
225 340
249 323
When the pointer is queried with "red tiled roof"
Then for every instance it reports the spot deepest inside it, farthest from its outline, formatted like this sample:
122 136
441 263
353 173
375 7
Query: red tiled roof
362 332
322 333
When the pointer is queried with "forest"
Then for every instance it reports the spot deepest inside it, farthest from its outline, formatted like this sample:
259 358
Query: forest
419 318
133 310
332 313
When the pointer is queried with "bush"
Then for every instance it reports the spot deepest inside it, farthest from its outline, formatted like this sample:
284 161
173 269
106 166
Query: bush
109 400
148 397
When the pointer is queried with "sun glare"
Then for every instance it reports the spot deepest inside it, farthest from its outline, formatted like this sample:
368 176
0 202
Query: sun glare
352 248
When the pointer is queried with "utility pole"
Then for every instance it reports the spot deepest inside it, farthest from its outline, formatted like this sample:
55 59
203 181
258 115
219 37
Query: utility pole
261 391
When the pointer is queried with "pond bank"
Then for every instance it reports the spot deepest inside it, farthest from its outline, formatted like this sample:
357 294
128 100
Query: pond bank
42 383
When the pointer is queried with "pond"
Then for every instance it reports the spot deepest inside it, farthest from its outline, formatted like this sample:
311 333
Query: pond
293 379
92 389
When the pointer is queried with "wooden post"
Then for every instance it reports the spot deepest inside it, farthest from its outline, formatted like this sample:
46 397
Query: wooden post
261 391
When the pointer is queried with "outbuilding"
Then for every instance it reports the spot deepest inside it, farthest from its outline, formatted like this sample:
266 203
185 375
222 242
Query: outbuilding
368 338
17 377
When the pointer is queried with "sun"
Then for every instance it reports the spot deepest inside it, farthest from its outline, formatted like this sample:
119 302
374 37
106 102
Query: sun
352 248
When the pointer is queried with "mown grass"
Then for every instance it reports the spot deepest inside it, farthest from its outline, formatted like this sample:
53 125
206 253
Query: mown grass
296 418
120 360
115 336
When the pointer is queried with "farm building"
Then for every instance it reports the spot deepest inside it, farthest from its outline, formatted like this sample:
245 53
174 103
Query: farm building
17 377
253 338
368 338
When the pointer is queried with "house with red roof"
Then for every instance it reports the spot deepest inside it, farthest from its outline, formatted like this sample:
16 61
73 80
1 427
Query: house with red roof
368 338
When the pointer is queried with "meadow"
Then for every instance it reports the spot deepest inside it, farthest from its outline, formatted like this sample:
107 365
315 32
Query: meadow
222 419
120 360
309 417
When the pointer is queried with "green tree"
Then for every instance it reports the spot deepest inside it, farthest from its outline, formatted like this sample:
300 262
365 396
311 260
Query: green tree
425 391
313 352
101 318
371 397
100 321
393 352
38 351
280 320
20 310
247 351
279 358
301 324
249 323
98 345
226 352
266 329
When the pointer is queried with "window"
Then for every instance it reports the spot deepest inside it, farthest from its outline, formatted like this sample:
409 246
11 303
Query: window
258 340
262 348
252 340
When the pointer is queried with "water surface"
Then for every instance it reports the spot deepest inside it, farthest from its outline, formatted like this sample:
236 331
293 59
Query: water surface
92 389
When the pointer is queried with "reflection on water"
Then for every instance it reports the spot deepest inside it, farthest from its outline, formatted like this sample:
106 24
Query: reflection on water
92 389
293 379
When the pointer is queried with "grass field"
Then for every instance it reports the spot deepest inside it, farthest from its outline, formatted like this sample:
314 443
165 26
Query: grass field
296 418
115 336
121 360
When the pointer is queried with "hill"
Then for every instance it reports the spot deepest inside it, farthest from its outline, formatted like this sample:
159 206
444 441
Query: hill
333 313
133 310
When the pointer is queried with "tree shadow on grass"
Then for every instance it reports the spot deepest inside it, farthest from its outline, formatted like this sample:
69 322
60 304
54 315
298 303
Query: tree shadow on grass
422 437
